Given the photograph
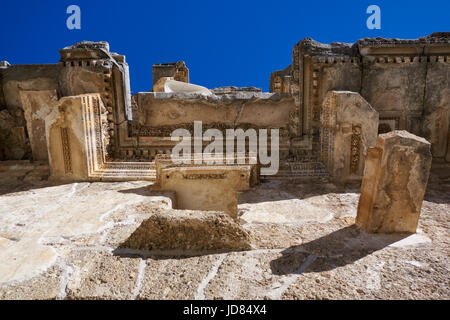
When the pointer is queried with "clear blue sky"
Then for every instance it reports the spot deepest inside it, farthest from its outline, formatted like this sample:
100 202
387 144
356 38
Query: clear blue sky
223 42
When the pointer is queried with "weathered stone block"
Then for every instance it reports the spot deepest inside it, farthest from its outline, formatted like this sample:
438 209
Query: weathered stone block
182 230
78 139
176 70
159 85
394 183
349 127
245 161
13 140
436 115
212 188
37 105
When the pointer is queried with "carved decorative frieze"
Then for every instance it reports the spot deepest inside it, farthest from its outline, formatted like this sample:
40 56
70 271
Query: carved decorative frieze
355 149
201 176
65 145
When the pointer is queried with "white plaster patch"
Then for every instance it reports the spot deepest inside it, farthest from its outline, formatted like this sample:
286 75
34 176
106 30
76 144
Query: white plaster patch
23 259
373 281
286 211
412 240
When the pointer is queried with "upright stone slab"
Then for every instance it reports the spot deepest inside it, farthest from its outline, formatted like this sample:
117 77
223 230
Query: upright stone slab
185 232
77 138
395 178
349 128
37 105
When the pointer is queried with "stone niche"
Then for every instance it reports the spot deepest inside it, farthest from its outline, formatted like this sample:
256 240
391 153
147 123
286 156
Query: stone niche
349 126
394 183
437 107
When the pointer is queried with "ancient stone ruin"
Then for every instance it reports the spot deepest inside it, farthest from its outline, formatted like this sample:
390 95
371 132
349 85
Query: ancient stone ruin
394 183
349 126
206 187
353 132
188 231
404 81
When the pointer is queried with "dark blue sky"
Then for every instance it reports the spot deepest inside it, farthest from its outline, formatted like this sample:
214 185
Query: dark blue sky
223 42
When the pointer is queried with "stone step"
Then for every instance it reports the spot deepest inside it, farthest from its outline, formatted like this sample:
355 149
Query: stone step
299 171
23 170
125 171
123 176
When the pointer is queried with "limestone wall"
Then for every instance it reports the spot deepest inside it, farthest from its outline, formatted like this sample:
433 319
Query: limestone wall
436 110
280 81
89 67
406 81
176 70
14 139
348 129
255 109
86 67
159 114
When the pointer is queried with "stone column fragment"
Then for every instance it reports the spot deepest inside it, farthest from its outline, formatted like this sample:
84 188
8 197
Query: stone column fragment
394 183
349 126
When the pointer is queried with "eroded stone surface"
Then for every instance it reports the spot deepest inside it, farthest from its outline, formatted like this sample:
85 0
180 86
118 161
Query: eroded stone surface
300 257
349 126
37 106
100 275
394 183
187 231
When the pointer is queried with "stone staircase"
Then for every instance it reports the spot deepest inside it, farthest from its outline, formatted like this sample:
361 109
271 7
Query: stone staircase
125 171
300 171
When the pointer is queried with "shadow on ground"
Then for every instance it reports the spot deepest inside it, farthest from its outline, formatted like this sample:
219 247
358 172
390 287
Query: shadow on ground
276 190
20 186
337 249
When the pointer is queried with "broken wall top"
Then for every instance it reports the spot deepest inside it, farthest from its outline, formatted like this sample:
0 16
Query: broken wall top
90 50
222 98
313 47
401 137
435 43
367 45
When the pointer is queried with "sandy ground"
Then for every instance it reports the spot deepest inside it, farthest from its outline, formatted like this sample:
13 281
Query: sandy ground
60 241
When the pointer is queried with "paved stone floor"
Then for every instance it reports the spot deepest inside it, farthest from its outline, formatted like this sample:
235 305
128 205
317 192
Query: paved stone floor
60 241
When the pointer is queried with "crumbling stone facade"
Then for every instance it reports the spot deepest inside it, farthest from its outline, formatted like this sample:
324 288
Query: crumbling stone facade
405 81
394 183
348 128
175 70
